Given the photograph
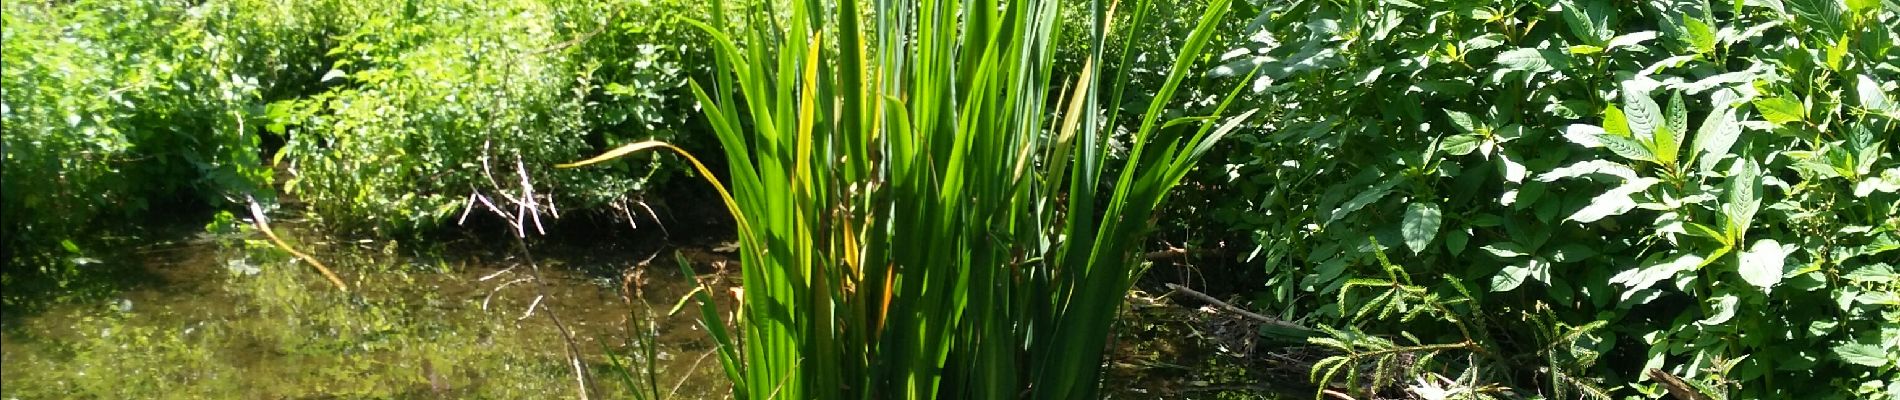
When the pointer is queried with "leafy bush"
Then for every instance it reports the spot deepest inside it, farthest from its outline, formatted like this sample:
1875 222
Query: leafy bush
1704 189
111 107
436 101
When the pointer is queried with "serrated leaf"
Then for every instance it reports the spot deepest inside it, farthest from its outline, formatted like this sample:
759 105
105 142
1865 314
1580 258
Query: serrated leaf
1719 80
1700 37
1592 167
1678 121
1505 250
1780 110
1667 146
1584 135
1589 20
1642 113
1837 53
1715 137
1627 147
1614 122
1459 145
1877 273
1862 354
1762 264
1613 202
1871 96
1509 278
1724 310
1364 198
1420 225
1631 39
1462 121
1532 59
1637 279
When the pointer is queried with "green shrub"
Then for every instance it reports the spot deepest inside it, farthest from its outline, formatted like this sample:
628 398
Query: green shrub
111 107
1704 189
438 100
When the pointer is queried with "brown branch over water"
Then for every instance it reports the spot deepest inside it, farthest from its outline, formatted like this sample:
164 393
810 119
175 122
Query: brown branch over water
257 217
1233 308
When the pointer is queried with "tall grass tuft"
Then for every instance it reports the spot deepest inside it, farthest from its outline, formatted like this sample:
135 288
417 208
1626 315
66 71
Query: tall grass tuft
914 220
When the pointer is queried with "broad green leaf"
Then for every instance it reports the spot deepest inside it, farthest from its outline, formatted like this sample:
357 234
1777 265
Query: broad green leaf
1462 121
1715 137
1780 110
1590 20
1456 240
1421 225
1505 250
1678 121
1631 39
1871 96
1650 273
1592 167
1762 264
1584 135
1364 198
1614 122
1513 171
1837 52
1460 144
1700 37
1509 278
1532 59
1613 202
1643 114
1862 354
1877 273
1724 310
1666 146
1572 252
1627 147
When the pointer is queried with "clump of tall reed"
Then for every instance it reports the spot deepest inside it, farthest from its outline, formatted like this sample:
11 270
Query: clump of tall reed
916 218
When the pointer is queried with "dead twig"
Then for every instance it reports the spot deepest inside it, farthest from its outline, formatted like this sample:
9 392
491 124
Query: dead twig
1234 309
1676 387
263 224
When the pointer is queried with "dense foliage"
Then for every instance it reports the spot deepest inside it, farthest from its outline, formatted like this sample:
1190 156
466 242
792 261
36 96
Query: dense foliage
386 116
1560 196
113 107
446 102
1529 197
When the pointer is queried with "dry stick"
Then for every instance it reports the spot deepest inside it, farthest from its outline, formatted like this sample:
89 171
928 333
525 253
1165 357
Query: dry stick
257 217
1676 387
1232 308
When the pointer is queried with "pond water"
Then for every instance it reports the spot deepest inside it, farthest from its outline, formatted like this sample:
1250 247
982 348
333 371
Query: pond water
190 315
232 317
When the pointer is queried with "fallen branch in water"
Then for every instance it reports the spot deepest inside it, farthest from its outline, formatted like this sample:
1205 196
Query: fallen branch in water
1233 308
257 217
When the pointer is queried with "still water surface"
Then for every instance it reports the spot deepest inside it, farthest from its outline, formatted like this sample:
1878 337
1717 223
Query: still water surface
227 318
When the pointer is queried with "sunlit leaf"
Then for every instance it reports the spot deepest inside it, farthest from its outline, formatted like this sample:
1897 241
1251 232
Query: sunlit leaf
1421 225
1762 264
